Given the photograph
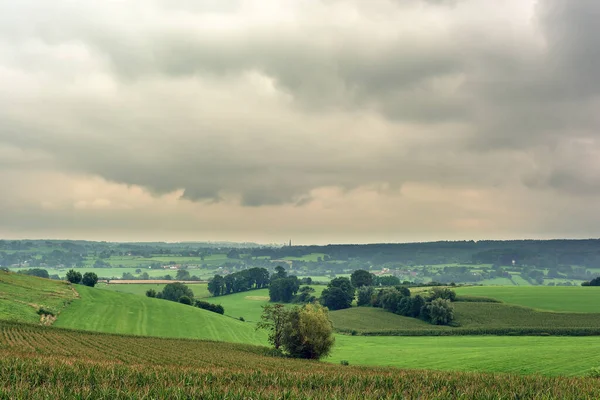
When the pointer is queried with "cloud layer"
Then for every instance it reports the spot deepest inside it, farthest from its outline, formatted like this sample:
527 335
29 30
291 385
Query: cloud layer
327 120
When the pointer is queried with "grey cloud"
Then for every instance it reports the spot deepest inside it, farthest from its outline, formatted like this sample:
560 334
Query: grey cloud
493 102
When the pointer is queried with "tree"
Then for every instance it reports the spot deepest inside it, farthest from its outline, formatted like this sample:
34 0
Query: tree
442 293
216 285
284 289
73 276
440 312
273 319
40 273
338 295
174 291
336 299
151 293
185 300
280 273
89 279
308 332
365 294
182 275
305 295
360 277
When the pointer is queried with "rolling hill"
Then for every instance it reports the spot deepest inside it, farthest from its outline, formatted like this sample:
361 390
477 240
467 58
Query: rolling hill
100 310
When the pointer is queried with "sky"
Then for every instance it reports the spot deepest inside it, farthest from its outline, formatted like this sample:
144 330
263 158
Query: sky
320 121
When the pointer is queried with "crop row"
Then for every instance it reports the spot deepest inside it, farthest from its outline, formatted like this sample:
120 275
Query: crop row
43 363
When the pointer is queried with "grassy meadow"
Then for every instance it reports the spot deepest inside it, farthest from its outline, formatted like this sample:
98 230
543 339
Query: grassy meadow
553 298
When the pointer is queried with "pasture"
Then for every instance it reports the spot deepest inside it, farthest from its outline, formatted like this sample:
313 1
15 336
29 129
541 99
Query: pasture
552 298
38 363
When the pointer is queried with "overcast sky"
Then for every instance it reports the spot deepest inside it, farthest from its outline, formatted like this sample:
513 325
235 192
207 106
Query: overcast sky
323 121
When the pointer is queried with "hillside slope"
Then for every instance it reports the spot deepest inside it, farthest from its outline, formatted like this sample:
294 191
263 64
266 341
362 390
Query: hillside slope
21 296
81 307
112 312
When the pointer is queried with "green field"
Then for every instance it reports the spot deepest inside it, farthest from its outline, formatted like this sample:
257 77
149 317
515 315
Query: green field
479 318
518 355
248 304
560 298
105 311
200 289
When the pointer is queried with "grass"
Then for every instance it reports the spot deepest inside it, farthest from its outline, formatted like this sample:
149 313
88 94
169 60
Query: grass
105 311
518 355
561 298
22 295
249 304
200 289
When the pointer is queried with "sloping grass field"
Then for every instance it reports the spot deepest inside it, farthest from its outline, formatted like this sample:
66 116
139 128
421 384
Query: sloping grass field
51 363
21 296
112 312
552 298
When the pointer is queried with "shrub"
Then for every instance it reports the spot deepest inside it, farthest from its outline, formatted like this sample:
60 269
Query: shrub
45 311
242 319
439 312
594 372
151 293
89 279
344 362
185 300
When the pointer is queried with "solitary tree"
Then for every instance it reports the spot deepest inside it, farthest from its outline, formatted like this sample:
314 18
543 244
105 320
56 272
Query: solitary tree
308 332
73 276
89 279
273 319
440 312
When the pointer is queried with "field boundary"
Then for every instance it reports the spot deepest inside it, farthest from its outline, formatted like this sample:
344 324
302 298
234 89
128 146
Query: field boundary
477 332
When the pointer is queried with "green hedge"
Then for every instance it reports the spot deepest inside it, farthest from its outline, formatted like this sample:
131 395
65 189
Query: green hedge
479 331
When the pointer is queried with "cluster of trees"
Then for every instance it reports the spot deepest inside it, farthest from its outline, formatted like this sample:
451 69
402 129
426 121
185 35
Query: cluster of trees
301 332
253 278
593 282
181 293
88 279
338 294
39 272
436 309
283 288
